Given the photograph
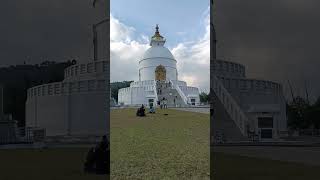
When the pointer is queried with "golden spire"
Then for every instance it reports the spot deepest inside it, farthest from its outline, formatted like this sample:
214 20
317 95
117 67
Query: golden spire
157 39
157 33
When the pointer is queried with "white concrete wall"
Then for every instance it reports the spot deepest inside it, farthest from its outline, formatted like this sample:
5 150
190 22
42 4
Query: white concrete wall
88 113
253 93
179 83
228 69
48 112
147 68
139 92
69 107
75 114
86 71
135 95
149 83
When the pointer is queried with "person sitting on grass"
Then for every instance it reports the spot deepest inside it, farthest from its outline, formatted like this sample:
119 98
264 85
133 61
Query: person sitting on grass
89 165
98 158
152 109
141 111
103 157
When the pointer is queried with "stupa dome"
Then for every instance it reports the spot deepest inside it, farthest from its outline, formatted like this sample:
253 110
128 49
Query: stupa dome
157 52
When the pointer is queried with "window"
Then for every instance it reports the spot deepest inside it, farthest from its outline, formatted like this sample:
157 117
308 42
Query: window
193 102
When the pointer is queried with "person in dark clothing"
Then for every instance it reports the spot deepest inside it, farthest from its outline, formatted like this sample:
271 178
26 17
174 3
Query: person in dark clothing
104 144
103 156
98 158
89 165
141 111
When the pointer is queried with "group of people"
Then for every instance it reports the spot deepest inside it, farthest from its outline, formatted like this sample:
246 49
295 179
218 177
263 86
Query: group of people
98 158
142 111
166 85
163 103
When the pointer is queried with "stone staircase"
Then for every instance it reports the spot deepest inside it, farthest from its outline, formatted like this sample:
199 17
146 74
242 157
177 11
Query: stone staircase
228 117
166 90
223 125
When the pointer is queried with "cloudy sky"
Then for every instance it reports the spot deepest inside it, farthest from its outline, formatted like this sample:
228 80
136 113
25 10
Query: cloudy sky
275 39
56 30
185 25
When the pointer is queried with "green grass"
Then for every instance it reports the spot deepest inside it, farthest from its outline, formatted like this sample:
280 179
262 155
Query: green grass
175 146
153 147
234 167
47 164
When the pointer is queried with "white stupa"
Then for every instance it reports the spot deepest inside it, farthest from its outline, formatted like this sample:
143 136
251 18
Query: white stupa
158 79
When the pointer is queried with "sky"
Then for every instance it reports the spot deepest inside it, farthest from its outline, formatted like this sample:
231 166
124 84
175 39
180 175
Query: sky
276 40
57 30
184 24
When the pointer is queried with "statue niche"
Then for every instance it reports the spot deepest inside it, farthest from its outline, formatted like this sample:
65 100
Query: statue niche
160 73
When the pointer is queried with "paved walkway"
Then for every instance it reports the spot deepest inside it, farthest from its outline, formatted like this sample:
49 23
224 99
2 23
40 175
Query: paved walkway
199 110
306 155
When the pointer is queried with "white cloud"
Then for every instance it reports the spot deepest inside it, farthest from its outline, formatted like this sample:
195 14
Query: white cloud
193 56
124 51
119 31
194 59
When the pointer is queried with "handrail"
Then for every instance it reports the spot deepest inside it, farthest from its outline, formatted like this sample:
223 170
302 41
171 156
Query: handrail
155 89
182 95
230 104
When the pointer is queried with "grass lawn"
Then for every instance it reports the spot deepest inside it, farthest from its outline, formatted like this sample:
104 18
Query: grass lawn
157 146
47 164
233 167
153 147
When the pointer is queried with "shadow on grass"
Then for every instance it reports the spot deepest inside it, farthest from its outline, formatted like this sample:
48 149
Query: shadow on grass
47 164
226 166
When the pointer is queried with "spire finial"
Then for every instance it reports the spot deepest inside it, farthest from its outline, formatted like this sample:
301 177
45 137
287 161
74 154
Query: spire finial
157 39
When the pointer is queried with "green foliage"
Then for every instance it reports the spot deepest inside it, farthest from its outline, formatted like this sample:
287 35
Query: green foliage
302 115
204 97
115 86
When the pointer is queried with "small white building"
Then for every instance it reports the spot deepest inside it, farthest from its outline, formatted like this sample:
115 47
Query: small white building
158 79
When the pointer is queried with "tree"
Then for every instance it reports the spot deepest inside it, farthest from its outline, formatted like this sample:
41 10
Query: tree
297 114
302 115
204 97
115 86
